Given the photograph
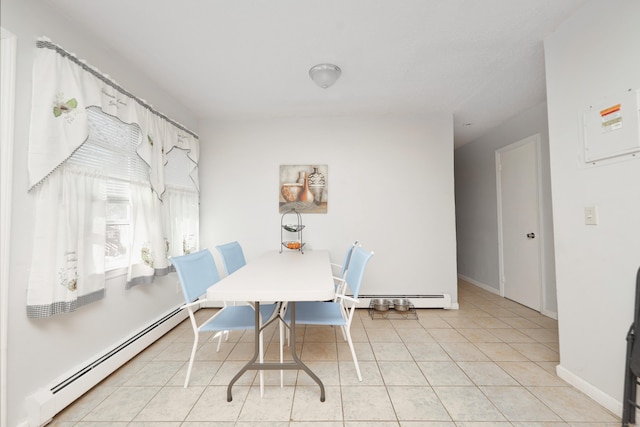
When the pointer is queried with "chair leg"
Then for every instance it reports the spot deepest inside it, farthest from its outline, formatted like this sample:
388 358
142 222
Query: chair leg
353 354
261 371
344 332
220 334
193 355
281 345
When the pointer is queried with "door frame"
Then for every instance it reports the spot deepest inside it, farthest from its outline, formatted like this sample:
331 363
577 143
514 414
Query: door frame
7 108
533 139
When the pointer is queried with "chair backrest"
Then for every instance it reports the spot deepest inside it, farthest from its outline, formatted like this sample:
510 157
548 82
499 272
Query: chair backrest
232 256
357 264
197 272
347 259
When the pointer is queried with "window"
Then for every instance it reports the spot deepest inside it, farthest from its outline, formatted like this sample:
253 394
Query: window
111 151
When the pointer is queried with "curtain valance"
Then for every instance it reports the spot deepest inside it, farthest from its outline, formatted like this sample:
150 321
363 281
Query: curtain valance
63 88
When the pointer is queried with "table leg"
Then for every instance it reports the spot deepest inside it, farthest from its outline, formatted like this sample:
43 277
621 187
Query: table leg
297 363
252 363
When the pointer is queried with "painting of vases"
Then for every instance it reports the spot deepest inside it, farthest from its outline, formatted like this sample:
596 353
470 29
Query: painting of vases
303 188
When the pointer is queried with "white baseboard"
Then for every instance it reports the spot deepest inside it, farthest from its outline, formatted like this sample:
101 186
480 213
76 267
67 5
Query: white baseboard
590 390
479 284
47 401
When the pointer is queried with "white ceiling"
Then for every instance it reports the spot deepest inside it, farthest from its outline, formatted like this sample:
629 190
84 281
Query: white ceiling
481 60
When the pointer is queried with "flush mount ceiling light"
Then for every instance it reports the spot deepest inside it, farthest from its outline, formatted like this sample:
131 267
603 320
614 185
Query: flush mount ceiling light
324 74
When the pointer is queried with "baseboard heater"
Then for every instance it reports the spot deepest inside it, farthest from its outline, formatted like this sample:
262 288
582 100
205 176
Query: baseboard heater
418 301
48 401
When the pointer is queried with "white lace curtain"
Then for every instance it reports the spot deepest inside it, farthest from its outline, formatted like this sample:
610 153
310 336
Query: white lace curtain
69 239
67 268
181 214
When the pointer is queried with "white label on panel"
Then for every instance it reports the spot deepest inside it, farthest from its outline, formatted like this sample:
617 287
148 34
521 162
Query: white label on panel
611 118
611 128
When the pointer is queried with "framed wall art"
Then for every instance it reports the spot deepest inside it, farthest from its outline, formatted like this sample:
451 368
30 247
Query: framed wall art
303 188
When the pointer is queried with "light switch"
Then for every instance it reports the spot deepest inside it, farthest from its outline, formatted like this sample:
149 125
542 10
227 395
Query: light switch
591 215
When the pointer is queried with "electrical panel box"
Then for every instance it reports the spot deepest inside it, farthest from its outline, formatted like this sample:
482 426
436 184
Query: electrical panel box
612 127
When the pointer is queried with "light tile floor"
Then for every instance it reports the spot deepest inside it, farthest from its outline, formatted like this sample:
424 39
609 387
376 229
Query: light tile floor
490 363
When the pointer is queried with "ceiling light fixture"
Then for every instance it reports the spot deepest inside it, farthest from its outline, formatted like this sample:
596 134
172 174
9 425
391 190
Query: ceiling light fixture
325 75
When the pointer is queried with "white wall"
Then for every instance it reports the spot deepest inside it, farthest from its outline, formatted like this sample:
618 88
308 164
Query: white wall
594 54
476 203
390 184
40 350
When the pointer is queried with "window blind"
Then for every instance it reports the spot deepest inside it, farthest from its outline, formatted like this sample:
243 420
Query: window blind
111 151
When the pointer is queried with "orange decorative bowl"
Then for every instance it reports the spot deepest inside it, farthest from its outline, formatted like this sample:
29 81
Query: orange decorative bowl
292 245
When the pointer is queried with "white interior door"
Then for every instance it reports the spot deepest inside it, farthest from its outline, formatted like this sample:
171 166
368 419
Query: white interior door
519 222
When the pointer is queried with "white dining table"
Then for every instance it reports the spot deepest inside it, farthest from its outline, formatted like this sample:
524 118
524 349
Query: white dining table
278 277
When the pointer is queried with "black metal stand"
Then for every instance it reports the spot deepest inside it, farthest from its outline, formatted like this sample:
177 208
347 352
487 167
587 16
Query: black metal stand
292 228
631 371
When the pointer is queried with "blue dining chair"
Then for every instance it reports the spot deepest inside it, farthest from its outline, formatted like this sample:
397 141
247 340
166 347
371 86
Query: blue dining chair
339 271
340 311
233 259
232 256
197 272
342 268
